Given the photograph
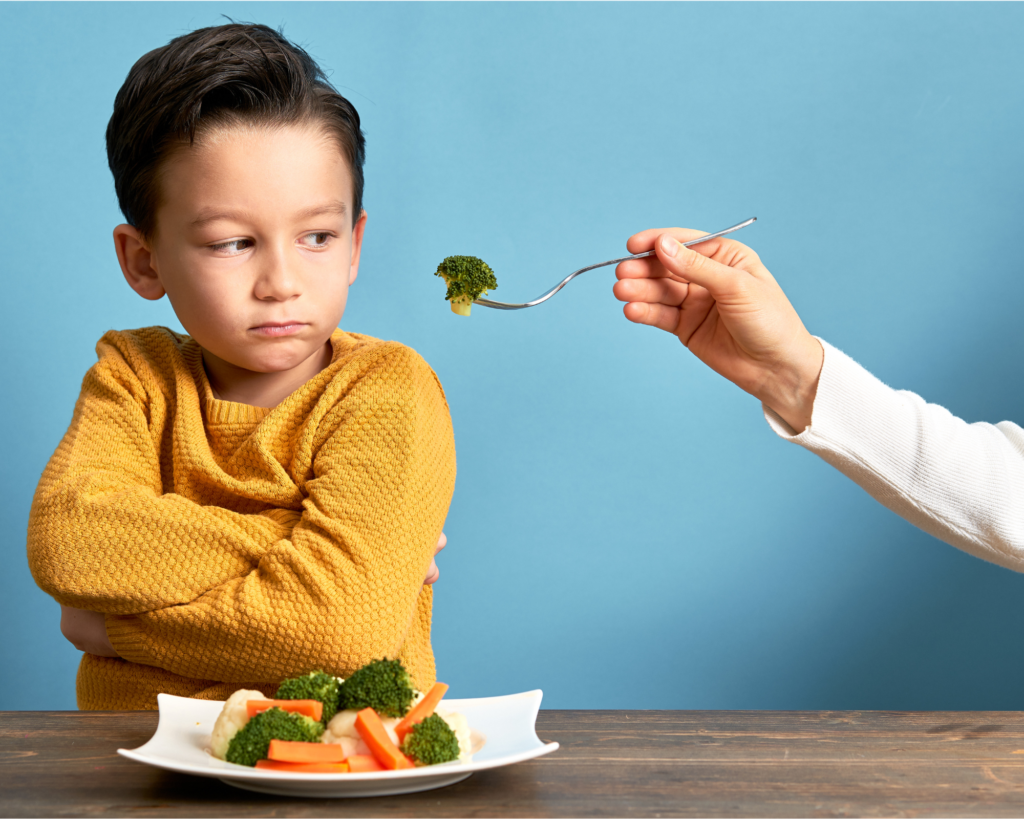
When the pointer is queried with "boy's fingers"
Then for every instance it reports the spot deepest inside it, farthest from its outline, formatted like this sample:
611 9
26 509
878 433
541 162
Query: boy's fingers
433 572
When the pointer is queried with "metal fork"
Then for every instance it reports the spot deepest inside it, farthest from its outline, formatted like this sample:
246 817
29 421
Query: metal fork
501 305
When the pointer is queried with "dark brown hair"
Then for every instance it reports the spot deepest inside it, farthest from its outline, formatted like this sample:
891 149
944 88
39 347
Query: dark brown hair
223 75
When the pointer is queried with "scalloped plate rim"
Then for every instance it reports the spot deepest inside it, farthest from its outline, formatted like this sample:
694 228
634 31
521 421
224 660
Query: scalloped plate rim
182 738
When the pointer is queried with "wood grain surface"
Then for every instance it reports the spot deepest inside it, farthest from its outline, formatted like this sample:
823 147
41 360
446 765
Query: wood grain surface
611 763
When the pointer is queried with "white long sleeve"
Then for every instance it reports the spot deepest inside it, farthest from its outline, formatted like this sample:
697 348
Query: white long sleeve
962 483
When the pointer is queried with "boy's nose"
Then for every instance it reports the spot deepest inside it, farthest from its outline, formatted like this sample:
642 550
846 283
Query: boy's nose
277 279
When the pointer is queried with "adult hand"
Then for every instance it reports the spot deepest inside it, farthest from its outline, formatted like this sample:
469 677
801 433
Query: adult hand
433 572
86 631
724 305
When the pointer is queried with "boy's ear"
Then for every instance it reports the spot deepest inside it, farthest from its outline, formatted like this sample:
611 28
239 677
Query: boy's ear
136 259
357 246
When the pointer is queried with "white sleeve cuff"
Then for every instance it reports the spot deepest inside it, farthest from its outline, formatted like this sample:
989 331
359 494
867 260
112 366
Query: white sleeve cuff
963 483
846 394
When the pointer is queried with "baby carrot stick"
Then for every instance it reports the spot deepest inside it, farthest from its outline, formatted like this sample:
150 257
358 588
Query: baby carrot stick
362 763
423 709
371 729
314 709
302 767
282 750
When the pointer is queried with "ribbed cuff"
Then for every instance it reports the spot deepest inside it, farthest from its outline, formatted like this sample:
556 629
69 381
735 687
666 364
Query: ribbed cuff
847 394
127 639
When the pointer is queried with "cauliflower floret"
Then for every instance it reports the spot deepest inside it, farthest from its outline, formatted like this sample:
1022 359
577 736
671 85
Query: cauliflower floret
342 730
230 721
343 724
460 725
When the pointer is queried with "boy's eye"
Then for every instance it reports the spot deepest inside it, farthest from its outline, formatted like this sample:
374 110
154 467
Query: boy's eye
233 247
318 239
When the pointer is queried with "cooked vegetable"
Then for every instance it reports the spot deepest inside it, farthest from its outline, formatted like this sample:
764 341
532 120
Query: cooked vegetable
383 685
362 763
251 743
281 750
460 725
421 710
316 685
313 709
468 278
431 742
378 741
233 716
342 731
303 767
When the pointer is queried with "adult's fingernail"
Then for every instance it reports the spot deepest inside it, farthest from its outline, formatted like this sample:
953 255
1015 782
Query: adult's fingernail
669 246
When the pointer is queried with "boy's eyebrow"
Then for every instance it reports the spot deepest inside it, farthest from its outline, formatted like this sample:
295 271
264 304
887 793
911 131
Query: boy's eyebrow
207 216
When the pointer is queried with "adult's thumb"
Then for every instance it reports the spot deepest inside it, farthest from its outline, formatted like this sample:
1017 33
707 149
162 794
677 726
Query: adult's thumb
689 265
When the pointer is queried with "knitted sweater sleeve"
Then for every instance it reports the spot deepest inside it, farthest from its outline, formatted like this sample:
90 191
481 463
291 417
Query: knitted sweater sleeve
347 585
962 483
100 501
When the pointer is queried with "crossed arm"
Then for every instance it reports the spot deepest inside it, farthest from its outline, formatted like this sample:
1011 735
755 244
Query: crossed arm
352 565
87 630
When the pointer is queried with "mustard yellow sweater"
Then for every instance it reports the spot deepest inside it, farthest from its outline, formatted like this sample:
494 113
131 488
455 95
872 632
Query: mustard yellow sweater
231 546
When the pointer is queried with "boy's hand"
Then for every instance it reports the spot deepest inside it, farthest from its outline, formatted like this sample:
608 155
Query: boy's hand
433 572
86 631
724 305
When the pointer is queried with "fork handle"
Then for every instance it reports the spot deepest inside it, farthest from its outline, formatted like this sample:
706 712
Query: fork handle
696 241
500 305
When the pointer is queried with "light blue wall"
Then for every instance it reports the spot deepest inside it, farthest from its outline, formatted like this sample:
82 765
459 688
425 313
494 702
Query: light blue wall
626 531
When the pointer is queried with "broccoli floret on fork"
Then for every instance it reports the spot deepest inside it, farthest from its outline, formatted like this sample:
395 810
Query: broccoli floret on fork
468 278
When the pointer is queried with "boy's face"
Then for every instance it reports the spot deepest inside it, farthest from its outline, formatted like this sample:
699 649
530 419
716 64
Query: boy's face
254 244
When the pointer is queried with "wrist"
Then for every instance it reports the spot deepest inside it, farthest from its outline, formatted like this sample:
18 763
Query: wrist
792 389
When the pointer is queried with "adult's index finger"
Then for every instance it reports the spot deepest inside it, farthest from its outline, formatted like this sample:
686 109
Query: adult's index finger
644 240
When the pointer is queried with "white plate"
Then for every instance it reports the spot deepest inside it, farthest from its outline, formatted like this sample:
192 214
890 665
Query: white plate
502 729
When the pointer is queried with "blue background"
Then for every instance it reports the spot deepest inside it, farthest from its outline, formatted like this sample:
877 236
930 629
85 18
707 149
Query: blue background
626 531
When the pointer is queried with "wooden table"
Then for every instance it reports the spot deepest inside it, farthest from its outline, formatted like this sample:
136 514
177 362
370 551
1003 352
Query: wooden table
611 763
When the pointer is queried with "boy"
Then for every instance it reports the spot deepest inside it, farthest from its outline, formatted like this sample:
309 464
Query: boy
261 497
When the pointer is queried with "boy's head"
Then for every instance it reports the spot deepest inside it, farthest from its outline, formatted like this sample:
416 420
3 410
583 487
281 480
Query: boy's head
214 77
239 170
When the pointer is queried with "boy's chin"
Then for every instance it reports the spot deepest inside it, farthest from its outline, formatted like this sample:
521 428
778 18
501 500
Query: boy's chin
277 359
276 364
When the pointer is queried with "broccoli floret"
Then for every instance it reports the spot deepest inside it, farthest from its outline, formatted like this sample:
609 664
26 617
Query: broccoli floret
250 744
468 278
431 741
383 685
316 685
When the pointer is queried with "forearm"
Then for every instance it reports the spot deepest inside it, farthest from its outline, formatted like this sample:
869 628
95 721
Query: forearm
347 586
309 604
962 483
107 547
792 383
104 533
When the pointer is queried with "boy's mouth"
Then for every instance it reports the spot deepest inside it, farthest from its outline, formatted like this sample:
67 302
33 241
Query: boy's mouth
283 328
